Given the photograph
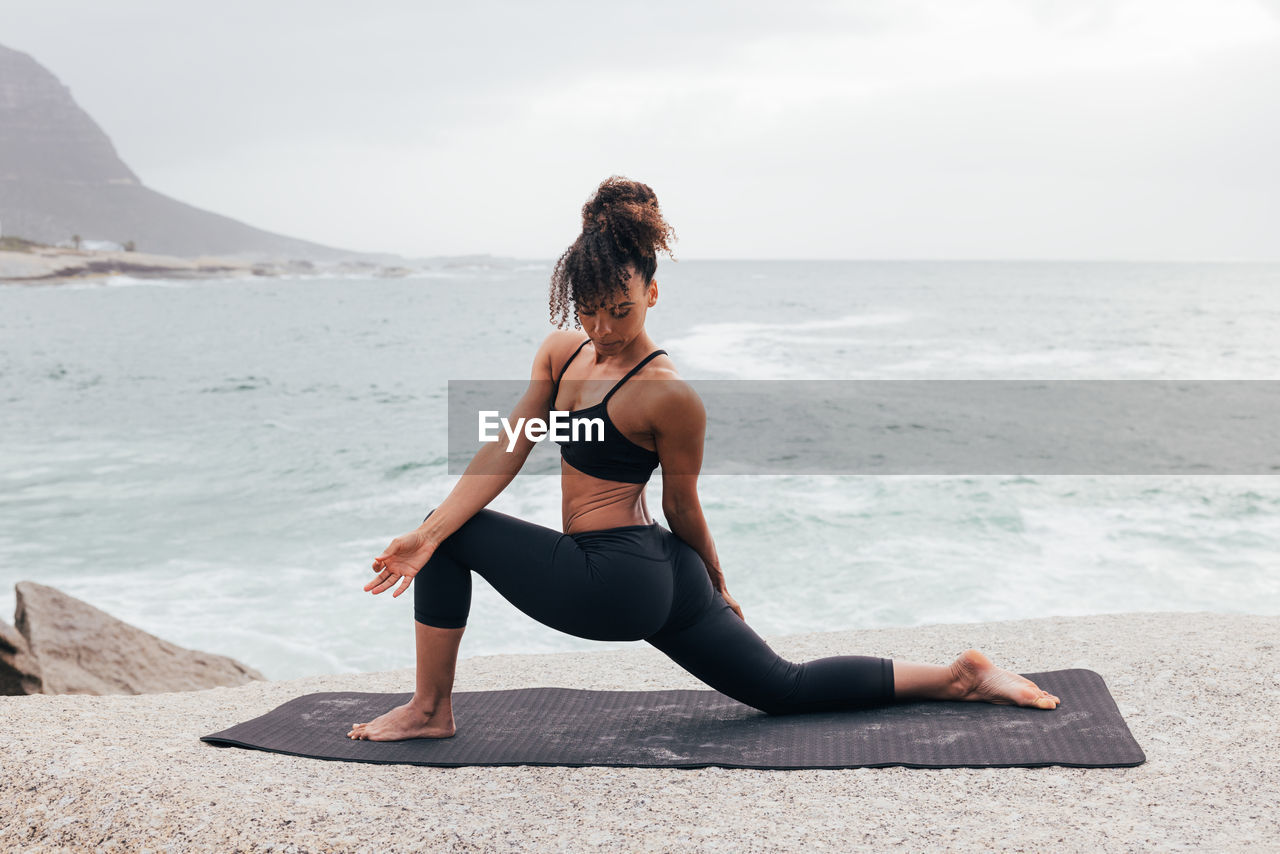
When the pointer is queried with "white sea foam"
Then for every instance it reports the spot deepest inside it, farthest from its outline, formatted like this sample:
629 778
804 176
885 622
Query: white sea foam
105 282
759 350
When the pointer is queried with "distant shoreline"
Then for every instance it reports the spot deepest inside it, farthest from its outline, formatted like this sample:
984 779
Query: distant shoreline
54 266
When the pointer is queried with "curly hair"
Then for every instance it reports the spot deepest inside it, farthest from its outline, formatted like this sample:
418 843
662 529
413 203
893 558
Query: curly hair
622 226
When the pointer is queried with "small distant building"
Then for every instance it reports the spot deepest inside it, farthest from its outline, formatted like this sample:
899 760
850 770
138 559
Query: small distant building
101 246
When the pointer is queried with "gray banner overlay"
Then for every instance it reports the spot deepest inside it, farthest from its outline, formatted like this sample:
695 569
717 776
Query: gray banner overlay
931 427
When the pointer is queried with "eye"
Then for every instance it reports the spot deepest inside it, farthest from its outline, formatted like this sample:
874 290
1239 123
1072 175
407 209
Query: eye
620 314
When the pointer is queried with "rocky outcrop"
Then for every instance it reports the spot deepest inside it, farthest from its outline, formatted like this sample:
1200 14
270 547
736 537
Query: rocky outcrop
19 670
61 176
65 646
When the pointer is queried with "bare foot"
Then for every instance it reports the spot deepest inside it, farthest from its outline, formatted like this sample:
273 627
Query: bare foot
407 721
976 678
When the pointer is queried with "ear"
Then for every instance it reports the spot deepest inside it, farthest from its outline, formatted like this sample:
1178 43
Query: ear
653 292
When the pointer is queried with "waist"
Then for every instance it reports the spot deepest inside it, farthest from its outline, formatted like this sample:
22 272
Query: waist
645 543
588 503
652 527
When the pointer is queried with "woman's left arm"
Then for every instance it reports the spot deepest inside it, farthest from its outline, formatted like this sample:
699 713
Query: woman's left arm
680 426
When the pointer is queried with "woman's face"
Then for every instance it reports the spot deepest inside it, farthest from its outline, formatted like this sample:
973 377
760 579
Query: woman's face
616 323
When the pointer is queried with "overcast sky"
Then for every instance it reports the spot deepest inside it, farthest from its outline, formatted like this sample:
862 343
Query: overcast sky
1074 129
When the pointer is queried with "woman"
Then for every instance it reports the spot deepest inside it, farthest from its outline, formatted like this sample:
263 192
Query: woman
614 573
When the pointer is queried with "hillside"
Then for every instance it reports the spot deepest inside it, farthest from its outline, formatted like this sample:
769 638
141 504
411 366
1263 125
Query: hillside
60 176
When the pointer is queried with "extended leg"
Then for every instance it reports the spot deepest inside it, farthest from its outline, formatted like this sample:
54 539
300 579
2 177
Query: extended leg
727 654
705 637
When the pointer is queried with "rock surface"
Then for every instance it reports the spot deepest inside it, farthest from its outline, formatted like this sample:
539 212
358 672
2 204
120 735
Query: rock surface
1200 693
19 670
70 647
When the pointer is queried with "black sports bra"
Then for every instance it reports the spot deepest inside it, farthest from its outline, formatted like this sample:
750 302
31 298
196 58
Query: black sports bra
616 457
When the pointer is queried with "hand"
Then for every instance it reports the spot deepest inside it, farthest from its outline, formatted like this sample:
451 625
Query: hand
733 603
400 562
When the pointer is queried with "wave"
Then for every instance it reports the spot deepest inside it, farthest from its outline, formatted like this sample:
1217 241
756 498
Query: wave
760 350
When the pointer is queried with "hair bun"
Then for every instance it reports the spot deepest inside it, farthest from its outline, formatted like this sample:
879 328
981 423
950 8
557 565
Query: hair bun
622 233
595 221
628 210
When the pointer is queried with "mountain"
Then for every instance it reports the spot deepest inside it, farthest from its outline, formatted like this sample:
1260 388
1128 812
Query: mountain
60 176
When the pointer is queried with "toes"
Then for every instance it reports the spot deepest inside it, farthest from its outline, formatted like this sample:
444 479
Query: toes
1030 694
1046 701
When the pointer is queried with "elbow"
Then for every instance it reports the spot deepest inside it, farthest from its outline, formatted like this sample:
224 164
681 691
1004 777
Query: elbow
495 459
676 509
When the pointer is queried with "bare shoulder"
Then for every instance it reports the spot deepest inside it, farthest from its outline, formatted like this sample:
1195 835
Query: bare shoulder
556 348
669 394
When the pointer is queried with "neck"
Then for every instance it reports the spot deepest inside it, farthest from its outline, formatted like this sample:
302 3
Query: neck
636 350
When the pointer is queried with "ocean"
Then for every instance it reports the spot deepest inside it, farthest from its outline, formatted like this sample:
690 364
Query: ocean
218 461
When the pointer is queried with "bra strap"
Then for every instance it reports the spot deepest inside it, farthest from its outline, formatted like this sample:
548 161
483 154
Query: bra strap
631 373
555 386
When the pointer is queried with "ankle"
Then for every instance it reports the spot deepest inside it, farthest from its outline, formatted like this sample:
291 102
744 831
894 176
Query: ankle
959 683
964 674
432 706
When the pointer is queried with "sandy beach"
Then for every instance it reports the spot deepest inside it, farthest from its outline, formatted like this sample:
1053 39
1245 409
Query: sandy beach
1199 691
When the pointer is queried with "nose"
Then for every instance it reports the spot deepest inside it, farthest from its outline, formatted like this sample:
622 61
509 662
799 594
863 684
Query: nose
598 327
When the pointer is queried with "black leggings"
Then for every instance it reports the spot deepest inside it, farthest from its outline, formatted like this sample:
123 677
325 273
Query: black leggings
637 582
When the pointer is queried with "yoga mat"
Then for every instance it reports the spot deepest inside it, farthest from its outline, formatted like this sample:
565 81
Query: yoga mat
696 729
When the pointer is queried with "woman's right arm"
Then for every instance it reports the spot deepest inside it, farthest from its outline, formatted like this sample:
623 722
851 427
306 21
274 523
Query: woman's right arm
491 469
493 466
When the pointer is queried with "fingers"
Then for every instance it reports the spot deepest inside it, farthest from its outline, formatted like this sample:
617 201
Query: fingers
384 580
405 581
382 583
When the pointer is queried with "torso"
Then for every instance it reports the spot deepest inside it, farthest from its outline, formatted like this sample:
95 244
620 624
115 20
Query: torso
590 503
